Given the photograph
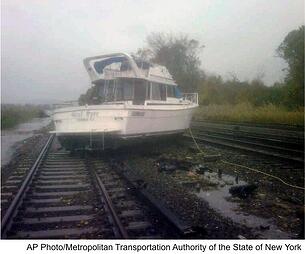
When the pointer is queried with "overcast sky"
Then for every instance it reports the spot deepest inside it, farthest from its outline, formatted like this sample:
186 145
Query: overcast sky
44 42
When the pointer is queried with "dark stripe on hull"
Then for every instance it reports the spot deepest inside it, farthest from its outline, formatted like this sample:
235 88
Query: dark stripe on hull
101 142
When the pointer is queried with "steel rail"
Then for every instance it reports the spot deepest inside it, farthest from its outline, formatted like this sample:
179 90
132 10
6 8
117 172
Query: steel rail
256 132
109 203
183 228
233 145
297 128
260 137
284 138
238 140
17 201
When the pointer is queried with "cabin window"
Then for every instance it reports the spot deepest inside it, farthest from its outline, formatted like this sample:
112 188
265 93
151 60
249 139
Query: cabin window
124 90
163 92
148 89
170 91
158 92
140 90
155 92
128 90
119 95
100 91
109 91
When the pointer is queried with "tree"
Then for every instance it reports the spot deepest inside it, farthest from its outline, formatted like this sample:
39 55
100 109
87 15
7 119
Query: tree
179 55
292 51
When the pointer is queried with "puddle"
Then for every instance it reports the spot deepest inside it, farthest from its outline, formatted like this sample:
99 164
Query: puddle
220 200
11 137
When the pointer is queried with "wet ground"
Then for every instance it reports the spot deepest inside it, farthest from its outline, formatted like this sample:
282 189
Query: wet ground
213 195
11 138
220 201
21 146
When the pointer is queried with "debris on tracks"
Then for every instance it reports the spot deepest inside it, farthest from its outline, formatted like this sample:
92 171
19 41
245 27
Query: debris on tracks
243 191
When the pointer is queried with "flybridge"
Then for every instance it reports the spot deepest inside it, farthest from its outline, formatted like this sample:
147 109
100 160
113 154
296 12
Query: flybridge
122 65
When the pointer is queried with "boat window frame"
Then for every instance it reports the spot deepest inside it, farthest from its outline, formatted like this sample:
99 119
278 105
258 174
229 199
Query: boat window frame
110 87
148 90
161 86
114 85
142 84
118 82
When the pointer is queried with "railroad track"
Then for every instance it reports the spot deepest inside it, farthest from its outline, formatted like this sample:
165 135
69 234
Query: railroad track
72 196
272 142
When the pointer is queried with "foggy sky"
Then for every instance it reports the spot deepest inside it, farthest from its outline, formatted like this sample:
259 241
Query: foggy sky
44 42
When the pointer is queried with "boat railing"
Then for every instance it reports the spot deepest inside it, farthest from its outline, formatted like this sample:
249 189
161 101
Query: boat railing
192 97
65 104
112 74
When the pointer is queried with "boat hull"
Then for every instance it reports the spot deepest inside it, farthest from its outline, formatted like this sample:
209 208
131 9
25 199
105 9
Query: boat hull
105 124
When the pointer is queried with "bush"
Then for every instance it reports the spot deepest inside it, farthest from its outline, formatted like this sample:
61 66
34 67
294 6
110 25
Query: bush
11 115
245 112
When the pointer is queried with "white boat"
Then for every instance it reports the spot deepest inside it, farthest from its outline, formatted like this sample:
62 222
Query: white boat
131 98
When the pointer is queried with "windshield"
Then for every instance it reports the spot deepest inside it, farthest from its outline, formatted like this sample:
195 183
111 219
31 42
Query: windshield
113 90
138 91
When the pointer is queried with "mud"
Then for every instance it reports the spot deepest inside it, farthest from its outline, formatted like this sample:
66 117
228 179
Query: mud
198 190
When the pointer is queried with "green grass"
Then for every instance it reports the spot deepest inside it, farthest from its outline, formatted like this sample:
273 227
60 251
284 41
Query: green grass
11 115
245 112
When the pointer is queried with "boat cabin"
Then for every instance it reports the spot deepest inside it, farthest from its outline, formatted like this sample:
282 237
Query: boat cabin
134 91
122 79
